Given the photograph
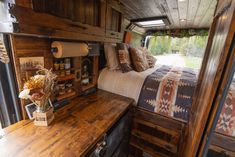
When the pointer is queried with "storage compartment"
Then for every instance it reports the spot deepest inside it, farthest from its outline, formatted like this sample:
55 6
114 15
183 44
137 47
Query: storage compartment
115 141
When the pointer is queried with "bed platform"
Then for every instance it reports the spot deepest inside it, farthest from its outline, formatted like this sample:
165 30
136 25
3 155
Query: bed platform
155 135
223 144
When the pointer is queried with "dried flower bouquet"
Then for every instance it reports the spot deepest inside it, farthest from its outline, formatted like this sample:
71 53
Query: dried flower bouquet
39 88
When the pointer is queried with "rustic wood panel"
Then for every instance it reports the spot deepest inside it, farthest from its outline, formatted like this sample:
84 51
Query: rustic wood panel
55 27
29 47
197 13
217 56
156 134
76 128
221 150
223 141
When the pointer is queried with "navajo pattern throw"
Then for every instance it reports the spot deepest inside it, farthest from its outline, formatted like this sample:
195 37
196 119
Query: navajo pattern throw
226 122
168 91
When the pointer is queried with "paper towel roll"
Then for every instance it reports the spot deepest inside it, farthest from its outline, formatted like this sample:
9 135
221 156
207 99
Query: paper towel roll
69 49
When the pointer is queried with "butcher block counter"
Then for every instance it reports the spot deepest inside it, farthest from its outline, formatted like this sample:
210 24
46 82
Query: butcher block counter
75 131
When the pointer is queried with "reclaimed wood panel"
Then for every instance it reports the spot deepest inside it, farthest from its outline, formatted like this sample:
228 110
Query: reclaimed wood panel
157 135
218 55
223 141
29 47
76 128
198 13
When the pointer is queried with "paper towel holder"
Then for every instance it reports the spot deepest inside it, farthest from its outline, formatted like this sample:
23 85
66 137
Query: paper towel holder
54 49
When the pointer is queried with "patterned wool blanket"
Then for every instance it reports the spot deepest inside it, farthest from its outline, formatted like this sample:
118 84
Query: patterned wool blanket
226 122
168 91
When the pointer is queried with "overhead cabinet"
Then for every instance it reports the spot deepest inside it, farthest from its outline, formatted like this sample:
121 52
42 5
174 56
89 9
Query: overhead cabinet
114 19
67 19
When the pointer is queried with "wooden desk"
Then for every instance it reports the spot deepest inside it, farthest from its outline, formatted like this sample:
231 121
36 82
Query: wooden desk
75 130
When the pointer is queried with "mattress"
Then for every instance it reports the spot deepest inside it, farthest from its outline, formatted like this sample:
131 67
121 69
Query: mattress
125 84
163 89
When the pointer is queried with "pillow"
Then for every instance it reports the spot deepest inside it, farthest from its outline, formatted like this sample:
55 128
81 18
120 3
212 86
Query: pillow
111 56
124 57
139 59
150 58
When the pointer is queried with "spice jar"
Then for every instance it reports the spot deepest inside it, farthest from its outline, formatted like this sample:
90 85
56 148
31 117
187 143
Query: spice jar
61 89
61 65
56 66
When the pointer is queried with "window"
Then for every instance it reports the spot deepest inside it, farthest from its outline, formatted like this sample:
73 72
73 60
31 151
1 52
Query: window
182 52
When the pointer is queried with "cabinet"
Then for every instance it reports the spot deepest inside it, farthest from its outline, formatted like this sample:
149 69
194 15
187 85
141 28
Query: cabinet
115 141
114 20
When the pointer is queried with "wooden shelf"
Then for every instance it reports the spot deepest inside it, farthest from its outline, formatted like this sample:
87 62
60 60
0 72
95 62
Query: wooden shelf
90 85
65 78
67 95
71 69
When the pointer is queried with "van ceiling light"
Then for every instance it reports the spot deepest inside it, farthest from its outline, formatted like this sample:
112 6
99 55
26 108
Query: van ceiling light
151 22
181 0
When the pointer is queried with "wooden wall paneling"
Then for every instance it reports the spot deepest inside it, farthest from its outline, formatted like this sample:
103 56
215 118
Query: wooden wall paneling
209 13
216 62
192 11
202 11
29 47
183 11
102 18
79 11
24 3
172 4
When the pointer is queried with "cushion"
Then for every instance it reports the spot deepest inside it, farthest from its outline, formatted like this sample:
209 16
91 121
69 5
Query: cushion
111 56
124 57
150 58
139 59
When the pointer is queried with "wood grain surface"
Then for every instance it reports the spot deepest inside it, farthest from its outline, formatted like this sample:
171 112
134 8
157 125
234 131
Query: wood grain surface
75 130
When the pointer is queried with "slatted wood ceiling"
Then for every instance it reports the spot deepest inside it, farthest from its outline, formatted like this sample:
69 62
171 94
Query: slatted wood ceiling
197 13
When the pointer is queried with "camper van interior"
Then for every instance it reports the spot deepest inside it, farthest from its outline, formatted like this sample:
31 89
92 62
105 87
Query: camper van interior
117 78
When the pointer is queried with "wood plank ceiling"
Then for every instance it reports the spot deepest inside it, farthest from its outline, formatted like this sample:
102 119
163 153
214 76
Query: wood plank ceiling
181 13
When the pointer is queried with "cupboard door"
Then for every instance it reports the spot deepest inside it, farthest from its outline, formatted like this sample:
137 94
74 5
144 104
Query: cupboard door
114 20
83 11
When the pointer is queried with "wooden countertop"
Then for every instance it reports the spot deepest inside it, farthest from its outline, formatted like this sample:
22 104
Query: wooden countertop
76 129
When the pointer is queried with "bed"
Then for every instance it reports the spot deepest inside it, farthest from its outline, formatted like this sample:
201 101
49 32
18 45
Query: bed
165 90
223 139
163 97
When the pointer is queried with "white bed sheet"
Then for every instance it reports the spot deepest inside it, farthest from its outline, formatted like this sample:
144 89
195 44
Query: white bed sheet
125 84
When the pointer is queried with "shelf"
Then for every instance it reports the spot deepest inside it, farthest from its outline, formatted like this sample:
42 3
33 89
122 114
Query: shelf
65 78
67 95
87 86
71 69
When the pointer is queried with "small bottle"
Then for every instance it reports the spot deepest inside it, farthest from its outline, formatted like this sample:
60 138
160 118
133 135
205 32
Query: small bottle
67 64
